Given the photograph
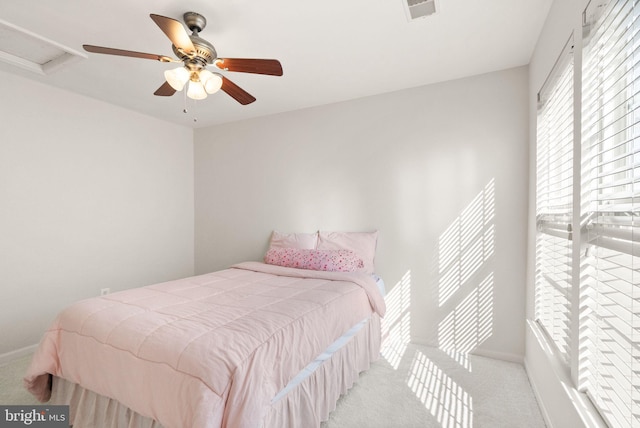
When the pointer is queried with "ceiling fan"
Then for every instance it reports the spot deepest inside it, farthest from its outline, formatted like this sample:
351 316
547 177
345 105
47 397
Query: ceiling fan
196 53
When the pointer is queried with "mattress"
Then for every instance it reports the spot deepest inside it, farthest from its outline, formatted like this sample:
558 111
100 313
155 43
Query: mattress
162 382
305 404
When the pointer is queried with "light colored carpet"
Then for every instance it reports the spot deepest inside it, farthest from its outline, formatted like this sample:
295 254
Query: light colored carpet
415 386
425 387
11 390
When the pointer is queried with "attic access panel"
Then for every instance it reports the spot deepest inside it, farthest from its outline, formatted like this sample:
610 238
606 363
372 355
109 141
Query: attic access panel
27 50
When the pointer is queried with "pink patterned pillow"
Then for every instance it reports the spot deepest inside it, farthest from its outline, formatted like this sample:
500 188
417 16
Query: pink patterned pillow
363 244
329 260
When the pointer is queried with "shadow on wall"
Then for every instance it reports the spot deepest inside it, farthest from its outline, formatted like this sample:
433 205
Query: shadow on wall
464 295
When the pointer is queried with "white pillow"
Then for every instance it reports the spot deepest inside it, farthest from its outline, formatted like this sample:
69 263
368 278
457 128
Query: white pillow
306 241
361 243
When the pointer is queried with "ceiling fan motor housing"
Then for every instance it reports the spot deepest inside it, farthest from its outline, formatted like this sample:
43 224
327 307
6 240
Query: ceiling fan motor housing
205 52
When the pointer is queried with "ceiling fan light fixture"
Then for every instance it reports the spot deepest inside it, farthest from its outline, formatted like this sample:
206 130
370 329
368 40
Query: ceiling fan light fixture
196 90
177 77
196 54
212 81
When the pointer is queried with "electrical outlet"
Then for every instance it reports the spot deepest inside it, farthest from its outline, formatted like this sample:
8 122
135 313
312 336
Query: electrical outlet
104 291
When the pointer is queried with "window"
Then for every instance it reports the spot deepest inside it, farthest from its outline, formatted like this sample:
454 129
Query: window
609 338
554 202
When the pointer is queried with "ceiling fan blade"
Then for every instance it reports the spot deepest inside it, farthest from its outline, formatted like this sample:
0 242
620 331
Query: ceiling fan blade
175 32
236 92
272 67
121 52
166 90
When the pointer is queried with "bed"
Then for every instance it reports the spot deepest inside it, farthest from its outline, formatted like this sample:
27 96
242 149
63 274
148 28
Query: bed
255 345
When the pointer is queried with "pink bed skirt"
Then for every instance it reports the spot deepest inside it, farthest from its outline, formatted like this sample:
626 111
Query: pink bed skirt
308 404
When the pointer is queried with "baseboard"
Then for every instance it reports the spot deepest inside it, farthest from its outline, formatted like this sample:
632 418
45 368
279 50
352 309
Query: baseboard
18 353
503 356
541 403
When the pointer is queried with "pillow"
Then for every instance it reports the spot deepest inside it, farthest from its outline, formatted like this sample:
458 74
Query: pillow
361 243
329 260
293 240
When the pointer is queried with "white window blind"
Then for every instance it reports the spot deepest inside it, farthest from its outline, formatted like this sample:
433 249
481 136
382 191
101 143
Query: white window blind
609 360
554 202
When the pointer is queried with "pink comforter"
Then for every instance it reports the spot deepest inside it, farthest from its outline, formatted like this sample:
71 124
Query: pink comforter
206 351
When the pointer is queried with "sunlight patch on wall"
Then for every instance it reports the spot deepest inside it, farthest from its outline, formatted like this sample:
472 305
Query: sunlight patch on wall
396 325
447 401
464 249
469 324
466 244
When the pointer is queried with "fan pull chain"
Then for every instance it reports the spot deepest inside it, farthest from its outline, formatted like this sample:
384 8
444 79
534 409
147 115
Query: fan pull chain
184 102
193 108
185 110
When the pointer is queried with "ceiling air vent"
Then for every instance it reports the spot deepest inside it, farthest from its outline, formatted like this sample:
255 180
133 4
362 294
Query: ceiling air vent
419 8
30 51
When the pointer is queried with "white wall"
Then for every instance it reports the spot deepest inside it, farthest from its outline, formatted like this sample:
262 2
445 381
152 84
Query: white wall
561 403
91 196
95 196
440 171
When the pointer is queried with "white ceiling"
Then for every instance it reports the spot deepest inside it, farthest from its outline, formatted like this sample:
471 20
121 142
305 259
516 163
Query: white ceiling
330 50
